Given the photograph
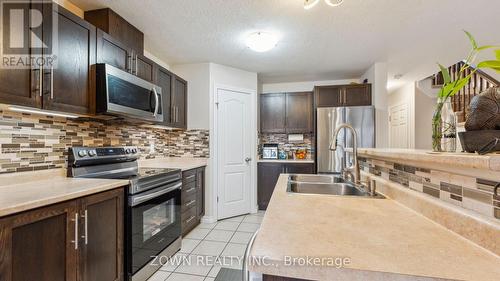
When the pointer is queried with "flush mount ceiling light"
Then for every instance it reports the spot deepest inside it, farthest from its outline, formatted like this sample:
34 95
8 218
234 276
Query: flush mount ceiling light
261 41
308 4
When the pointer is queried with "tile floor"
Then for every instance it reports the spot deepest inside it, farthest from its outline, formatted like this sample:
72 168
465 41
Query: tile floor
207 242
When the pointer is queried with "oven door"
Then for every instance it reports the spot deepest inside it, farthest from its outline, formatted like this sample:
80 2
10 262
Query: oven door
154 222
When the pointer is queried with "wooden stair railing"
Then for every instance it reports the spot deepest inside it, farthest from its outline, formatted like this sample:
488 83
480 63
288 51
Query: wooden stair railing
479 82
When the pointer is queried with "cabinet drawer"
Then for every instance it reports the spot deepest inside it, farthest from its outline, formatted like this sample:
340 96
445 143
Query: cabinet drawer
189 176
188 201
189 220
189 188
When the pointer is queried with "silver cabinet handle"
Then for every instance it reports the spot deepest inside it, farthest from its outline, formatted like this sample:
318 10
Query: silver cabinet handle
129 64
76 231
190 203
135 65
157 102
176 114
86 229
189 177
245 271
191 189
190 219
40 78
51 82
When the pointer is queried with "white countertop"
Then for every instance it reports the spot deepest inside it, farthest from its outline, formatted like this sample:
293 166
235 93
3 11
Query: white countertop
308 161
29 190
382 239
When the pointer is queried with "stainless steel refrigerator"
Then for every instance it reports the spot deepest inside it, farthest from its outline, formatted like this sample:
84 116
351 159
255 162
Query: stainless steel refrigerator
362 118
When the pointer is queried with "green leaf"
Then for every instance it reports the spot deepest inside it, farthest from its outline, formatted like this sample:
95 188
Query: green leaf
489 64
459 85
497 53
446 74
482 48
445 90
471 39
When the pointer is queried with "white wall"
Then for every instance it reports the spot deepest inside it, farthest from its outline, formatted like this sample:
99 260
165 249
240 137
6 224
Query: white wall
305 86
198 77
421 103
377 76
202 79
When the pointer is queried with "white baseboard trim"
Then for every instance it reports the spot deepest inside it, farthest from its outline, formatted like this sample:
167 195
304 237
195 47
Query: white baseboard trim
208 219
255 209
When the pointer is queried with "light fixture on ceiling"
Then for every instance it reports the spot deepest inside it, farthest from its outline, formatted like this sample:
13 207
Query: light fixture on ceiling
261 41
308 4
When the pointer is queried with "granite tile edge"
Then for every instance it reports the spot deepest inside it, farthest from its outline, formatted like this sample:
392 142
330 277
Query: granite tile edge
482 231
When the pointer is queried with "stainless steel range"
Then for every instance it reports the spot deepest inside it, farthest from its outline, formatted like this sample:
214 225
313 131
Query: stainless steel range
153 212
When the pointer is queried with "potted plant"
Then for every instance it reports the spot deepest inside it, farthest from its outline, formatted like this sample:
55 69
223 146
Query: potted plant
441 127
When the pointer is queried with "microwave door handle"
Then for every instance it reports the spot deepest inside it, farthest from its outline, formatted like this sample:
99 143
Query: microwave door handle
157 102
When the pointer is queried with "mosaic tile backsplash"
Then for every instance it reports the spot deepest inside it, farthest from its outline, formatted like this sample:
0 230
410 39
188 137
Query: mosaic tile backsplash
35 142
471 193
283 144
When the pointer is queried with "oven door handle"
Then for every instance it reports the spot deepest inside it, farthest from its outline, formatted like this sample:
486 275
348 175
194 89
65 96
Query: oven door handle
136 200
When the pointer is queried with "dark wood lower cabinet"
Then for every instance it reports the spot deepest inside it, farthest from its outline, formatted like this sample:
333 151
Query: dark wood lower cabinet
268 174
102 248
278 278
79 240
193 198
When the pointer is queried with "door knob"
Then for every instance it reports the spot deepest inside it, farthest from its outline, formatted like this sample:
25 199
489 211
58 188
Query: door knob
248 159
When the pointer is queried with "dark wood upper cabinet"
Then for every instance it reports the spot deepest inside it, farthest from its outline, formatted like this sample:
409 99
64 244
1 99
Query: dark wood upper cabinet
299 113
20 86
116 26
328 96
343 95
273 113
290 113
80 239
143 67
103 216
358 95
67 87
179 103
113 52
164 80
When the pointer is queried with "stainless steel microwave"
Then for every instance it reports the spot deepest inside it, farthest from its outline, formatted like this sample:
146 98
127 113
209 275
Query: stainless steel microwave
123 94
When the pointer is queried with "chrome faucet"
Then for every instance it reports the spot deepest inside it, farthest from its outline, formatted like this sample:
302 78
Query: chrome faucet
353 170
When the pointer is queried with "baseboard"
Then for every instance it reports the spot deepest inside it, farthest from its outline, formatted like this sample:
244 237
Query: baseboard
208 219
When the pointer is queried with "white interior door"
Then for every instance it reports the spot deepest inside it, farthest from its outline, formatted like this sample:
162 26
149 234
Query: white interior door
399 126
234 152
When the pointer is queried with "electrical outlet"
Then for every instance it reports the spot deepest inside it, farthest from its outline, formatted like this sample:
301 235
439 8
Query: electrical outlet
151 147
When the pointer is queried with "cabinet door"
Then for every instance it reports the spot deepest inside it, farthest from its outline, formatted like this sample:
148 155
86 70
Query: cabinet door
299 113
39 244
164 80
328 96
143 68
113 52
300 168
273 113
200 182
268 174
357 95
101 254
68 86
179 103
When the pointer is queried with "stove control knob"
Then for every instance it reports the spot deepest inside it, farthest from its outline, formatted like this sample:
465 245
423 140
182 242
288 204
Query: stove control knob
134 150
82 153
127 151
92 153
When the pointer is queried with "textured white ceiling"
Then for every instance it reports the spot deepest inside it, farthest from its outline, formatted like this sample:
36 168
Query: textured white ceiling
321 43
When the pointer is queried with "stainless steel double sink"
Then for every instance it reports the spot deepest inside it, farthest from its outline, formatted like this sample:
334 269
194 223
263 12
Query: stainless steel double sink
326 185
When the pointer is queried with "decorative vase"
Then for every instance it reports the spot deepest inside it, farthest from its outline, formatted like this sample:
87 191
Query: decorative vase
444 128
